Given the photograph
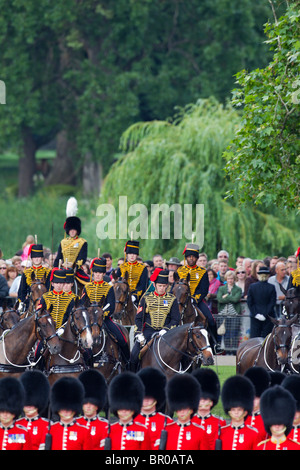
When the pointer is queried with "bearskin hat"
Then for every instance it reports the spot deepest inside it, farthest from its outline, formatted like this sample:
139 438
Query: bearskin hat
260 378
37 389
183 391
155 382
238 391
210 384
126 391
95 388
277 406
276 377
292 384
67 393
11 395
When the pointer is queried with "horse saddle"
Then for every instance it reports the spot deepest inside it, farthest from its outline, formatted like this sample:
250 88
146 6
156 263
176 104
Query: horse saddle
147 346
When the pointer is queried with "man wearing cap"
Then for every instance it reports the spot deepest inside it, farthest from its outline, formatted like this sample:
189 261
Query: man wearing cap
36 271
37 391
13 436
99 290
261 300
183 394
151 416
237 398
199 285
278 408
61 302
73 249
137 272
66 399
125 396
158 312
95 394
69 283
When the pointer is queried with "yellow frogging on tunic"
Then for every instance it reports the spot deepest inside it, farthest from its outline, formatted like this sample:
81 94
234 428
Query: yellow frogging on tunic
196 273
60 302
134 271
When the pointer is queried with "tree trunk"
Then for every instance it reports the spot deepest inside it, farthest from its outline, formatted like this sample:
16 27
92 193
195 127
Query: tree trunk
63 169
27 164
91 176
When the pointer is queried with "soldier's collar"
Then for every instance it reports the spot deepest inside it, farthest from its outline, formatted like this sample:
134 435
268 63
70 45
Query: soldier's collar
98 282
37 267
159 295
57 293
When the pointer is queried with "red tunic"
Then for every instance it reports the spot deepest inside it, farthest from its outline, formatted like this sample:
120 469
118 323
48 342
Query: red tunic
15 437
189 436
211 425
280 444
72 436
98 430
37 428
243 437
255 420
295 433
155 423
132 436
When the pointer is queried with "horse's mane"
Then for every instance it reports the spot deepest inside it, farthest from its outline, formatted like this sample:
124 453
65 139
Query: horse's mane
177 329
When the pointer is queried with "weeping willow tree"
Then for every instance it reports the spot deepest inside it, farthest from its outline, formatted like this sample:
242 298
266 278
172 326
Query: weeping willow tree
179 161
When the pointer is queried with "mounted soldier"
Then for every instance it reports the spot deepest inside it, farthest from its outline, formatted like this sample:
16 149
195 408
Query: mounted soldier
158 312
199 285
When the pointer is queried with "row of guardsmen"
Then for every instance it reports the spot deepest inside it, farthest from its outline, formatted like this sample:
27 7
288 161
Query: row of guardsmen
261 416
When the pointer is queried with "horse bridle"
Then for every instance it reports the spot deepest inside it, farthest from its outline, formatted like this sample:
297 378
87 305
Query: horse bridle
38 328
279 346
76 331
123 303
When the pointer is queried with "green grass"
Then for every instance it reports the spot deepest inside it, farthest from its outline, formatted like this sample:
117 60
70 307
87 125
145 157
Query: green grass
223 373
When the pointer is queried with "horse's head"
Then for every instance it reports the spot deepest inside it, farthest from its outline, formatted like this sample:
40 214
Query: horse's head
282 337
8 317
80 325
292 302
198 344
96 317
46 330
121 288
37 288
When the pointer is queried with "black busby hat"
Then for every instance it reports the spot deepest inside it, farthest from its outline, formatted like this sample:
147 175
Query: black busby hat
37 389
67 393
98 265
58 275
69 273
292 384
36 251
126 391
11 395
95 388
260 378
132 246
191 249
238 391
210 384
160 276
155 382
276 377
183 391
277 406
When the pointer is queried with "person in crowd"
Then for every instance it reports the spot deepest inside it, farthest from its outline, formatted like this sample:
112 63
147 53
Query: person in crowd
36 400
214 285
209 397
10 275
16 262
261 301
173 264
223 268
247 265
280 278
278 407
239 261
229 306
241 278
260 378
202 260
126 392
291 264
26 247
223 255
109 261
4 289
238 397
256 264
273 261
151 415
183 395
158 261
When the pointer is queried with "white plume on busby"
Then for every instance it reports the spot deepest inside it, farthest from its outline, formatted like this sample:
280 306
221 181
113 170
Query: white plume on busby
72 207
72 221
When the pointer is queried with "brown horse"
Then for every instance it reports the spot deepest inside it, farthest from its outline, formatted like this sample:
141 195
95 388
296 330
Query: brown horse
185 342
107 357
188 311
272 352
291 303
125 310
17 343
9 317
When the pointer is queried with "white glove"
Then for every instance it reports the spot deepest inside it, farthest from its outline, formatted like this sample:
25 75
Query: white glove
60 331
133 298
140 338
162 332
21 307
260 317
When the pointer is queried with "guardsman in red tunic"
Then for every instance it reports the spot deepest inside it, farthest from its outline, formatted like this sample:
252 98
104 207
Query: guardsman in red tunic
237 397
37 390
154 381
210 394
13 436
260 378
66 400
183 395
125 396
278 407
292 384
95 391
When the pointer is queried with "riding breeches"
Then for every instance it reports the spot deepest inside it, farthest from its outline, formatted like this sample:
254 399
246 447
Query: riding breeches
116 331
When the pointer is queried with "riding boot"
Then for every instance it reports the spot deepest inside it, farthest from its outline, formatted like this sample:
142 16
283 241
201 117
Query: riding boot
216 346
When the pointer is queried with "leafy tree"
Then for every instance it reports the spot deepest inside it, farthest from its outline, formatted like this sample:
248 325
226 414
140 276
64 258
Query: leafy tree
263 158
